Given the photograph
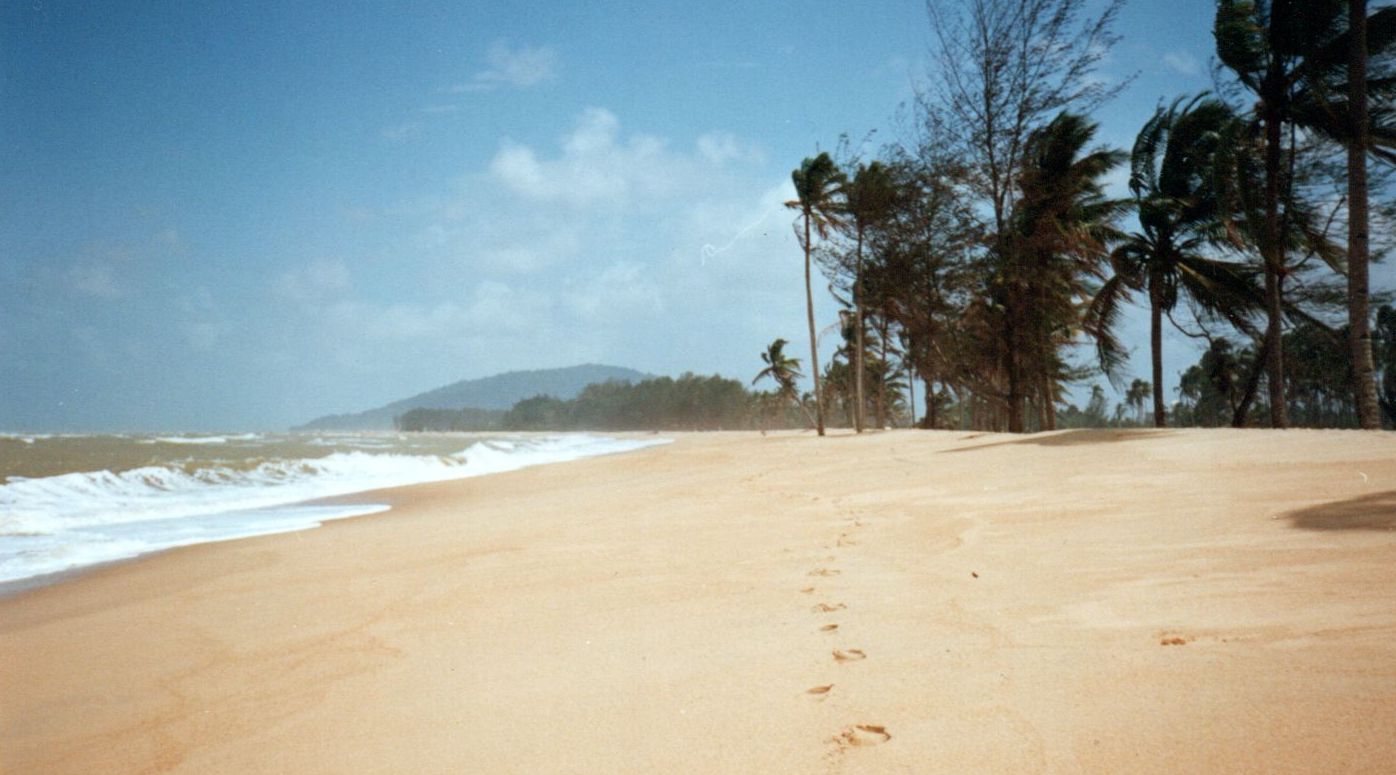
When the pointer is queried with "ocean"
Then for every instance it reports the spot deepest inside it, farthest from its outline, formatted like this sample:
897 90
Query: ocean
73 501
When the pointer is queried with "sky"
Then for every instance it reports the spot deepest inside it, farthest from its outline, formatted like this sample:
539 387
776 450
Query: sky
222 216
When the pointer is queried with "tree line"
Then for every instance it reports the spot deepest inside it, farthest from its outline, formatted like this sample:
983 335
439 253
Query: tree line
984 258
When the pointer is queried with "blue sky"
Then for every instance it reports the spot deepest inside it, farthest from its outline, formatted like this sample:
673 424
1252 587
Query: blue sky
237 215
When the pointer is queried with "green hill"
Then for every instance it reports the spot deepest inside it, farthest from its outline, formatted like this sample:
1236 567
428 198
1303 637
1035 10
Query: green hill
492 395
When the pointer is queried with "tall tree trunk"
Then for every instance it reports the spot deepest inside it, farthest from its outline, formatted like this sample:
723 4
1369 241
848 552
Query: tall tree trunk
813 347
882 372
911 393
1359 327
858 315
1156 348
1274 261
1015 381
1049 404
931 414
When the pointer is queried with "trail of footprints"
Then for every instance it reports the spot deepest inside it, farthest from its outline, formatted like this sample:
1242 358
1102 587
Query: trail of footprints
854 735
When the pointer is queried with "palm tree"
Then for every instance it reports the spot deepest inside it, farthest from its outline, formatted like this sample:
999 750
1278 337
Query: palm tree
783 370
1059 238
1364 370
1137 396
1293 55
1366 38
817 186
1171 174
869 199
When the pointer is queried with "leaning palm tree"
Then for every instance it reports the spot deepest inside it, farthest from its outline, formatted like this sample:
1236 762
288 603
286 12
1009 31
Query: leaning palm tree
1171 174
817 188
1294 56
870 196
784 371
1060 235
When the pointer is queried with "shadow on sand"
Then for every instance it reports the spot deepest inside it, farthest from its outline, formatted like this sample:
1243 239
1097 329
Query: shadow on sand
1069 438
1369 512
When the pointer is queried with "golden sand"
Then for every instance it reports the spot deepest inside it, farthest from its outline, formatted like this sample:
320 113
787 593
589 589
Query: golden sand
1181 601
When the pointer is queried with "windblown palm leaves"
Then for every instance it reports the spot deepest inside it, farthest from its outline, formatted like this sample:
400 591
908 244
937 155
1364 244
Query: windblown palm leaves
1173 171
782 370
1060 235
1294 55
818 184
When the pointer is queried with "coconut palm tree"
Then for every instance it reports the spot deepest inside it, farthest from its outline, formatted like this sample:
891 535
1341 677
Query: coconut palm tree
1171 173
1059 240
783 370
869 197
817 190
1341 111
1294 56
1137 396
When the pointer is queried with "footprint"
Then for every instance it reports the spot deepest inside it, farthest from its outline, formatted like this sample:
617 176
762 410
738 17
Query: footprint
828 628
825 608
851 655
1173 642
819 689
807 591
860 735
846 541
823 572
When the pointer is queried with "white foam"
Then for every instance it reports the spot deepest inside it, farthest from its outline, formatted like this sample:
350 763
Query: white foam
58 523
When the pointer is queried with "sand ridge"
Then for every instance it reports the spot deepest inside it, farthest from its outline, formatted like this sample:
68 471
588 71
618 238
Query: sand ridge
1175 601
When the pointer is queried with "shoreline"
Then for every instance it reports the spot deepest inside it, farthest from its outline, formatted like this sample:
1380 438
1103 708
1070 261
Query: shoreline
1068 602
355 502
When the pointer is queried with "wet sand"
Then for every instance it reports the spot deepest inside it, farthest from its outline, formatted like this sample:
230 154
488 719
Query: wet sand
1179 601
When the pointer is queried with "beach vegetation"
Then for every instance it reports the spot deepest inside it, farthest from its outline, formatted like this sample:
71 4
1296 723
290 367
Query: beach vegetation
985 257
818 199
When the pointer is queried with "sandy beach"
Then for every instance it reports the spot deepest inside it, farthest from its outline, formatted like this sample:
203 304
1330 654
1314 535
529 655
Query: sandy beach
1104 601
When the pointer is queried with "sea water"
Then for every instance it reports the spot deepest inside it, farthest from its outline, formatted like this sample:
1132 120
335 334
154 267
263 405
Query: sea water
68 502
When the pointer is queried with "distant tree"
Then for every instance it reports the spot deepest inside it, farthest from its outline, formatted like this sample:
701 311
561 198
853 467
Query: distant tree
1384 342
1137 396
818 184
541 412
689 403
1095 408
783 370
1212 391
1318 385
447 420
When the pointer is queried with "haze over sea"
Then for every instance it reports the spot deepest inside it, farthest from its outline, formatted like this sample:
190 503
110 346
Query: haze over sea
72 501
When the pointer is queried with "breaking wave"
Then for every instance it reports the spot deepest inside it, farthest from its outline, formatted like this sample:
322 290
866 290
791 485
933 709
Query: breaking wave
59 523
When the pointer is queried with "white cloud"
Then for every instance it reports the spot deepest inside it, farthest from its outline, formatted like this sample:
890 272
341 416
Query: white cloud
316 282
597 167
1182 62
403 132
594 247
518 68
96 280
721 147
